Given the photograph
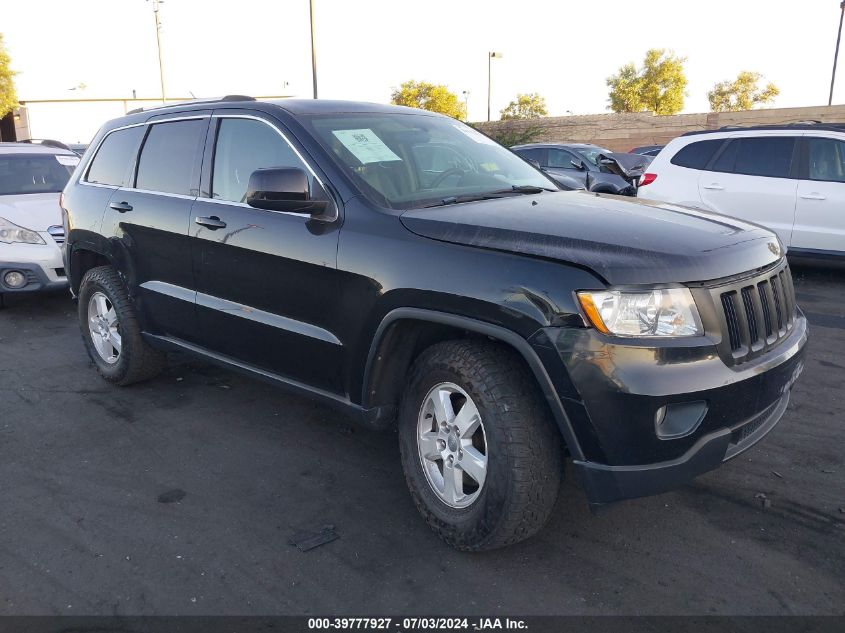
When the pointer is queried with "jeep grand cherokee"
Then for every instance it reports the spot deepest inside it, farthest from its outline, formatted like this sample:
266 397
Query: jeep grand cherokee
406 269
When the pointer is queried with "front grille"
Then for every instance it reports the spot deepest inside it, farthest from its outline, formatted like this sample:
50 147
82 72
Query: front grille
58 233
756 312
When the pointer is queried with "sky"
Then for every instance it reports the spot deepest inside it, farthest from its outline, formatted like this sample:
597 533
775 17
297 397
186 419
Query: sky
562 49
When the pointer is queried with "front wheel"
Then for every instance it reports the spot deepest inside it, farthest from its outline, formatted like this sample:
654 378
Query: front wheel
110 330
481 458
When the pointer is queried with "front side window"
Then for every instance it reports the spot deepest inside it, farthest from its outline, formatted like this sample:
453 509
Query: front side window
592 153
34 173
827 159
244 145
169 155
769 156
382 153
116 153
561 159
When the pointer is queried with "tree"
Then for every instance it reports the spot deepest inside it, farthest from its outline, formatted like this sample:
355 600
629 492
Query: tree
659 86
743 93
8 96
428 96
530 106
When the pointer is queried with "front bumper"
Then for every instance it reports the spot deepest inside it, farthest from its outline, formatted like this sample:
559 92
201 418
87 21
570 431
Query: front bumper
41 264
612 392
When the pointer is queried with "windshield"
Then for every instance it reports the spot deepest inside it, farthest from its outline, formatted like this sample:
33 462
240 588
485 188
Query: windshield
34 173
406 161
592 153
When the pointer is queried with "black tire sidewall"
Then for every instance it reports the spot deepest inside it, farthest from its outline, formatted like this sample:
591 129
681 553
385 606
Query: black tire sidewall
462 527
94 282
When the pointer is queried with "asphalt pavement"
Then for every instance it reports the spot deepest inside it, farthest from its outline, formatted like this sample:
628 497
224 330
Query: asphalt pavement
182 495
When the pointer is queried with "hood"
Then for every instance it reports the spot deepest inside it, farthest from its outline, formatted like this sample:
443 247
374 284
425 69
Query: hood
624 240
629 166
33 211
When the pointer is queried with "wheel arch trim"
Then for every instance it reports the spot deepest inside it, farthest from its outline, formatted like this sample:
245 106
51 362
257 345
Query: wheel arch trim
502 334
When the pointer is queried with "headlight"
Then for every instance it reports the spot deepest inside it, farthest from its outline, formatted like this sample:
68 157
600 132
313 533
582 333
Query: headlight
11 233
665 312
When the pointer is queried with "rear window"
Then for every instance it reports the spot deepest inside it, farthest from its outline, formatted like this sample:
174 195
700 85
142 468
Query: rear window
116 152
169 155
33 173
696 155
769 156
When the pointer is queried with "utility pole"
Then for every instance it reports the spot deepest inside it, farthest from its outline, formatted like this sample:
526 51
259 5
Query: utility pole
313 49
836 54
490 57
156 8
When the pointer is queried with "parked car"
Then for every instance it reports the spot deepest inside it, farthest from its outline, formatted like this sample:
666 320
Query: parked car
577 162
648 150
790 178
404 268
31 179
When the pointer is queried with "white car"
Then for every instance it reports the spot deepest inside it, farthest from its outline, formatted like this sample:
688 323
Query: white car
790 178
31 233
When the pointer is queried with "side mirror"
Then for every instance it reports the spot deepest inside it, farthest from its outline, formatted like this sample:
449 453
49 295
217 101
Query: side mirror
283 189
578 164
534 162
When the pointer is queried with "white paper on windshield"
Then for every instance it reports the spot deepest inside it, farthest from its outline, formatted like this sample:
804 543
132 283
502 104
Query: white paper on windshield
475 135
365 146
67 161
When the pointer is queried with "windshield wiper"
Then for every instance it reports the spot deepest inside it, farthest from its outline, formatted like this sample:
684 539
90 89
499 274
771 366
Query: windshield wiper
528 189
492 195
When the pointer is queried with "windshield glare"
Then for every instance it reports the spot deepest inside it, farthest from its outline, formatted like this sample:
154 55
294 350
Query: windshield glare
406 161
32 173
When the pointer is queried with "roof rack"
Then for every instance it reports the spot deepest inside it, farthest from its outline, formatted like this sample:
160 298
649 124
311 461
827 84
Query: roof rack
798 125
181 103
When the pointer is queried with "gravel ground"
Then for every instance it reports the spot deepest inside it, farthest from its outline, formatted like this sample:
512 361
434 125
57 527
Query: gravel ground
179 496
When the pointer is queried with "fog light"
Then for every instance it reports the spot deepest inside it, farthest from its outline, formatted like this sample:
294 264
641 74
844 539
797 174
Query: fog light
14 279
679 419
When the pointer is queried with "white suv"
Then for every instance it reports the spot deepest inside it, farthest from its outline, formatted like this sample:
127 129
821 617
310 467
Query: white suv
790 178
31 180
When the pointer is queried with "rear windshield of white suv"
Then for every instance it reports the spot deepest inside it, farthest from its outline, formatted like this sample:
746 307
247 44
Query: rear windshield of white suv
29 173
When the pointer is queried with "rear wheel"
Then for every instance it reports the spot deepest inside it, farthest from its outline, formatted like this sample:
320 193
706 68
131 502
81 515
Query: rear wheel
110 330
481 458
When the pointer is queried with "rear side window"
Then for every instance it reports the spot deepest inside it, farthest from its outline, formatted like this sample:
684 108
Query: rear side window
169 156
696 155
535 153
116 152
769 156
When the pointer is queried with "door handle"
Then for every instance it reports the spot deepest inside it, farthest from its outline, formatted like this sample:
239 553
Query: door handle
212 222
121 207
813 196
715 186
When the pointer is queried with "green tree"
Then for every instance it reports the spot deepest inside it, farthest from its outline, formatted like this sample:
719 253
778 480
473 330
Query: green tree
8 96
659 86
428 96
743 93
530 106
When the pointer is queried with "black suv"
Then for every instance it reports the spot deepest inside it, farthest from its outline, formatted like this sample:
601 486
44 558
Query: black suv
408 270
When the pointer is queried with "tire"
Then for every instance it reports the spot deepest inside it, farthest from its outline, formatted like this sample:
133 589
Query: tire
524 458
135 360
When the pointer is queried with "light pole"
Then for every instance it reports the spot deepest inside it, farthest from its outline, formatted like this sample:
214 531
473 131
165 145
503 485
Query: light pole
836 54
466 103
156 7
313 49
490 57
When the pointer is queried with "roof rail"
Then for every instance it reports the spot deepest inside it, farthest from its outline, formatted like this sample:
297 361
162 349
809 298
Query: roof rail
181 103
47 142
798 125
